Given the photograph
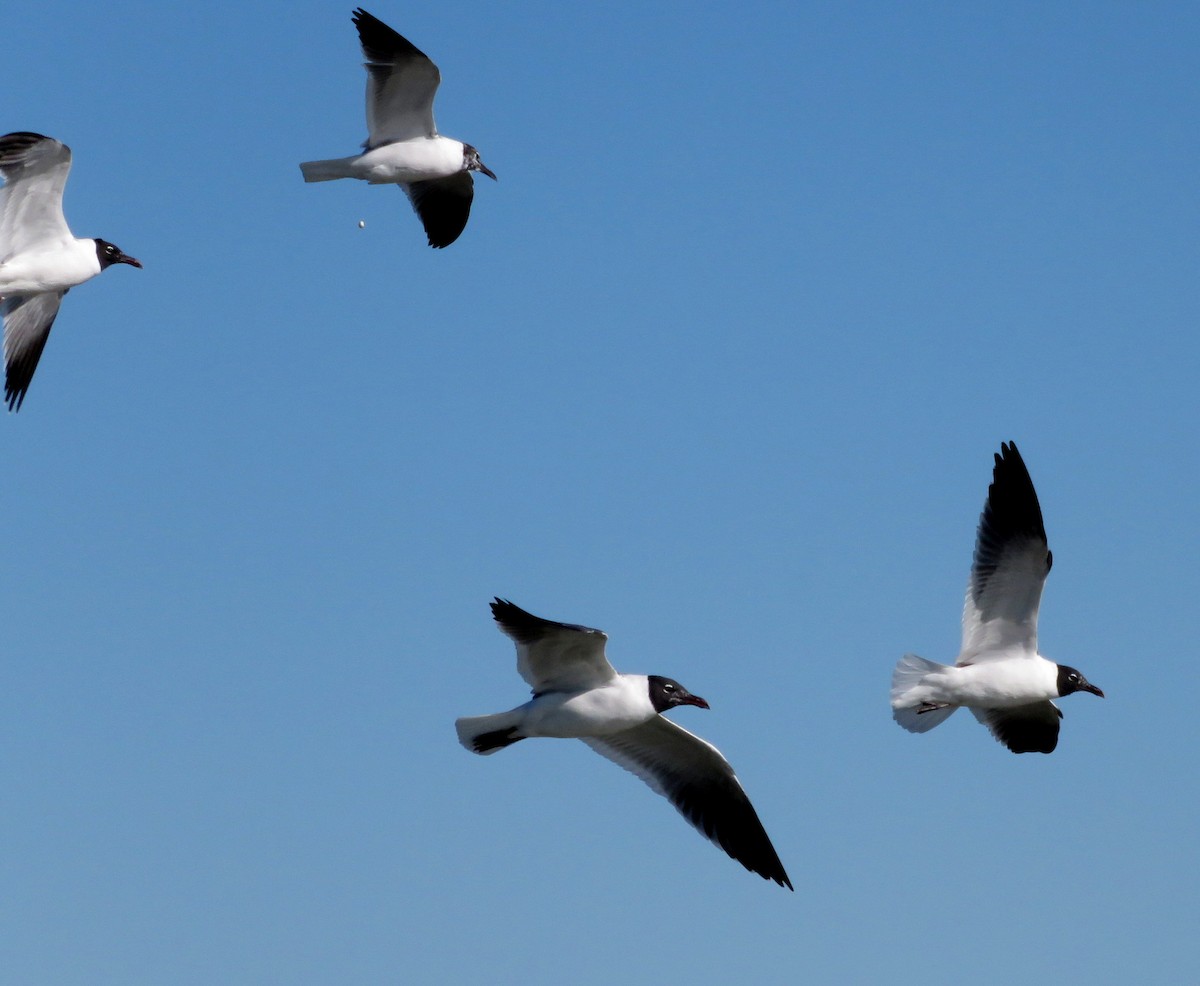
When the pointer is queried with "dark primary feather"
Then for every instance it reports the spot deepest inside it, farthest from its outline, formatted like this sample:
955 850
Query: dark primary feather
14 146
27 323
704 789
525 628
381 43
1011 516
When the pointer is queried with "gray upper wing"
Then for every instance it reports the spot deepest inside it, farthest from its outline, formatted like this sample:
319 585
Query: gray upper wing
551 656
401 84
35 170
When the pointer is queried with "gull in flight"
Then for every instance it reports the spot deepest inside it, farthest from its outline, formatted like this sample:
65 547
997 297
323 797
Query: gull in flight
404 147
999 675
577 694
40 259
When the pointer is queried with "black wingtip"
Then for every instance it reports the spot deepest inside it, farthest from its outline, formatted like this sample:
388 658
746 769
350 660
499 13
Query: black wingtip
509 615
499 604
1012 499
13 146
515 621
22 139
1009 457
381 43
525 628
778 876
769 866
726 817
16 382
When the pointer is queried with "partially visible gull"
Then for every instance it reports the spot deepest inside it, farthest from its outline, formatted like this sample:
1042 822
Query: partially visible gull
999 675
577 694
404 147
40 260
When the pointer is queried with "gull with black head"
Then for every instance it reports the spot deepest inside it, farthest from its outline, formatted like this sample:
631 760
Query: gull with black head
578 695
40 259
404 147
999 674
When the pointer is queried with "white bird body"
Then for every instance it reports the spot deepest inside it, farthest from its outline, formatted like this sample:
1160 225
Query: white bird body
1004 683
418 159
619 704
55 265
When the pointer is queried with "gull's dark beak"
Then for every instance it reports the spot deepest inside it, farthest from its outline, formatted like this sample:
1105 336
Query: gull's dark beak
696 700
487 171
1087 686
124 258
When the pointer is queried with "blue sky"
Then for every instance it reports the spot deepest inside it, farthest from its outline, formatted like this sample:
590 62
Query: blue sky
718 366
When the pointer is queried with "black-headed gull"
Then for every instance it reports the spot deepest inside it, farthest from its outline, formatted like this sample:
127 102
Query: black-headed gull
577 694
40 260
999 675
403 146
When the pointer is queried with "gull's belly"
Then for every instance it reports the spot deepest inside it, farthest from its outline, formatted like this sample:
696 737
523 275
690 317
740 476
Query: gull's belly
54 269
598 712
996 685
411 160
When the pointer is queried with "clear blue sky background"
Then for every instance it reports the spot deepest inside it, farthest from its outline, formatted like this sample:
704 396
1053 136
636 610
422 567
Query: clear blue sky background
718 366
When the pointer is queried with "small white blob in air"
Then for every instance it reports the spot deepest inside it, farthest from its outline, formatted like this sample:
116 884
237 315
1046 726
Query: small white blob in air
362 224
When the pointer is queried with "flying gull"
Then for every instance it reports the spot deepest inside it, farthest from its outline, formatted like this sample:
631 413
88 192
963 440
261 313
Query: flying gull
999 675
577 694
40 260
404 147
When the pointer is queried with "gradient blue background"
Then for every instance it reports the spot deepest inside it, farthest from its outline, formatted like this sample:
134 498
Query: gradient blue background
718 366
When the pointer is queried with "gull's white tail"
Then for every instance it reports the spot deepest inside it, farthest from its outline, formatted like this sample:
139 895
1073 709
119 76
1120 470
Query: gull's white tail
326 170
908 705
487 734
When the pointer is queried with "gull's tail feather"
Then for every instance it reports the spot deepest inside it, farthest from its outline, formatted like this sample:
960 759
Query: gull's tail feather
325 170
487 734
908 706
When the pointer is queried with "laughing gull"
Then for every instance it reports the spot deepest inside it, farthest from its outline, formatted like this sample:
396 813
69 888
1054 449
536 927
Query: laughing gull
404 147
577 694
999 675
40 260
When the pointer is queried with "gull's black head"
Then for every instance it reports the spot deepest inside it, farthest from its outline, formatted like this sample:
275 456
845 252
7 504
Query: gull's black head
666 693
109 254
1070 680
471 162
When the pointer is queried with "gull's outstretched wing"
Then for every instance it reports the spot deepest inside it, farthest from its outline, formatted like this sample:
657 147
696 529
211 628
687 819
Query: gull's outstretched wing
1010 566
691 774
554 657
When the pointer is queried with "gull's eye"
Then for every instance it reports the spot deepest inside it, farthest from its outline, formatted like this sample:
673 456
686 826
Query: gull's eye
668 688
